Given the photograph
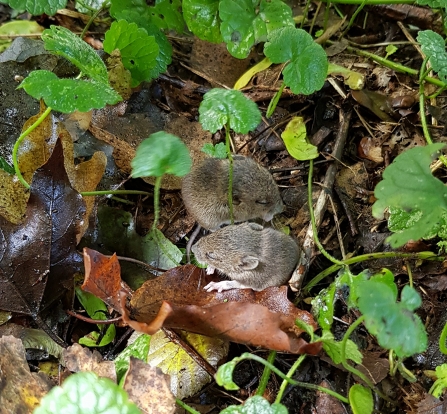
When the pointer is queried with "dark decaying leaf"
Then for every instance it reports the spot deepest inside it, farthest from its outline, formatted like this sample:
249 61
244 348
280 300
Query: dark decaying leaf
38 257
177 299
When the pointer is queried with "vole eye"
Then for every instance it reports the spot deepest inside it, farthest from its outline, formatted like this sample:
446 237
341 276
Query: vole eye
262 202
211 256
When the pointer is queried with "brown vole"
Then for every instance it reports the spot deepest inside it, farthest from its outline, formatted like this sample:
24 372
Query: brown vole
205 192
250 255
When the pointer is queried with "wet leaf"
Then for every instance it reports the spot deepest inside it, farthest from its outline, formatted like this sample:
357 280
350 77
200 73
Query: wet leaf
138 50
39 255
408 184
256 404
433 45
139 348
361 399
202 18
37 7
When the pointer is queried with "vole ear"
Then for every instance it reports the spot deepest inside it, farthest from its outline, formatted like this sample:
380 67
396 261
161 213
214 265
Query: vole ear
249 263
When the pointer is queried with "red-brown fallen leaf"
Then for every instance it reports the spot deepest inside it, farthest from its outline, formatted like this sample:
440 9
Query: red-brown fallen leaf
38 257
177 299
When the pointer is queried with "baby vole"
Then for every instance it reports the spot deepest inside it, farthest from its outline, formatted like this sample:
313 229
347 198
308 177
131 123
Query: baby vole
205 192
250 255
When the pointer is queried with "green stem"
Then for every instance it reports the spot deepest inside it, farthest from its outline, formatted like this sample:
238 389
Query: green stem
351 369
230 172
186 407
274 102
289 375
156 201
442 340
106 192
256 358
19 141
93 17
266 374
312 219
370 256
423 73
359 9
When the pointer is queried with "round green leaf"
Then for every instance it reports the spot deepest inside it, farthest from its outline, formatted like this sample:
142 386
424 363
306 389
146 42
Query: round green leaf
37 7
68 95
295 139
139 51
202 18
161 153
360 399
433 45
224 376
64 42
307 68
222 106
86 393
256 404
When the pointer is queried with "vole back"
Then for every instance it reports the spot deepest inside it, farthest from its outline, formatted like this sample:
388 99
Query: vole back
252 256
205 192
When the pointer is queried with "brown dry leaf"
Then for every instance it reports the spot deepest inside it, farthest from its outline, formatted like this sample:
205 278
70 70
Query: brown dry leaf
78 358
176 299
148 388
21 390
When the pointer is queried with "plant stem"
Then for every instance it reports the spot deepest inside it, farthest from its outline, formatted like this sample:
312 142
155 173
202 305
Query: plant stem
312 219
370 256
266 374
442 340
156 201
351 21
19 141
93 17
256 358
274 102
230 172
351 369
186 407
289 375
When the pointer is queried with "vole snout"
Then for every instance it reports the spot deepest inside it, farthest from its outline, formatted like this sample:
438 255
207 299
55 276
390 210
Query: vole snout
255 193
250 255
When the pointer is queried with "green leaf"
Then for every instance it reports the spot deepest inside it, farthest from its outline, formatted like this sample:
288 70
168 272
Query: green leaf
256 404
86 393
138 50
166 14
305 327
37 7
222 106
216 151
6 167
138 349
63 42
161 153
295 139
394 324
96 309
307 68
202 18
247 22
224 376
361 399
68 95
434 4
88 6
409 185
333 349
433 45
441 381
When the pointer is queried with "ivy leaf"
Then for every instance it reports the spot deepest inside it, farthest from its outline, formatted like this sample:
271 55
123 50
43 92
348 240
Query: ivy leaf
256 404
295 139
246 22
361 399
138 50
37 7
222 106
433 45
216 151
307 68
161 153
333 349
202 18
68 95
394 324
63 42
409 185
86 393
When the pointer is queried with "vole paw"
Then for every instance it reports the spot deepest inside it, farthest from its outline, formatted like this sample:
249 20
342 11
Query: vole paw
224 285
210 270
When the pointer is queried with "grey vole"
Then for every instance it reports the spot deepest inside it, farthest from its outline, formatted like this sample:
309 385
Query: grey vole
250 255
205 192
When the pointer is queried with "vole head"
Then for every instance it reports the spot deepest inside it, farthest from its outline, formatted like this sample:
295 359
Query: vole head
232 249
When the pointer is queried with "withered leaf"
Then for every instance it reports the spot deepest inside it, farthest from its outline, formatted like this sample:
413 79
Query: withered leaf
176 299
38 257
